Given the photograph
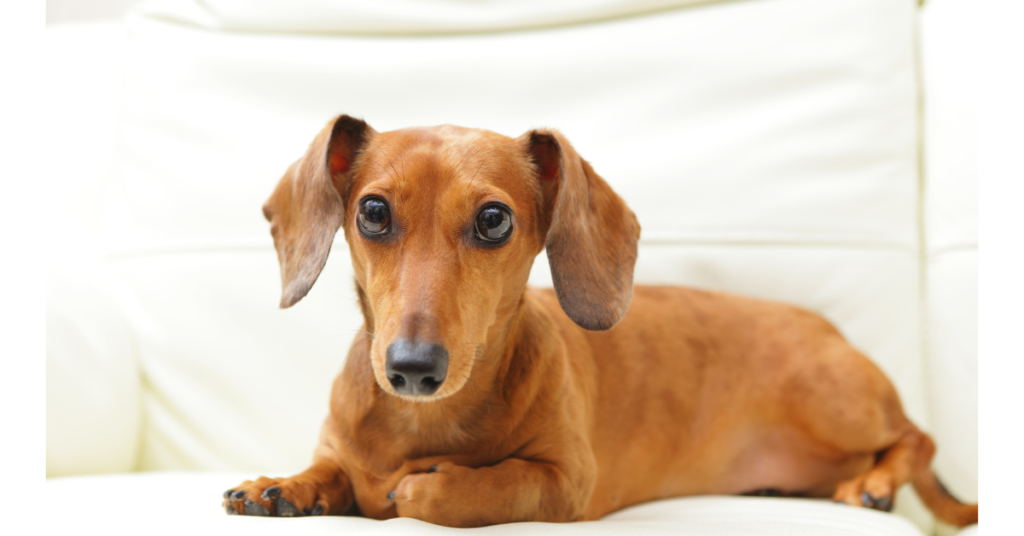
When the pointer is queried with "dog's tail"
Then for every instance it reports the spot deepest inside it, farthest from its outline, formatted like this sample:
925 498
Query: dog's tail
941 502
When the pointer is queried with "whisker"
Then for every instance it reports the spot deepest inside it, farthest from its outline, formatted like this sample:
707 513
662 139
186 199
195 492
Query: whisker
473 178
385 170
403 169
381 149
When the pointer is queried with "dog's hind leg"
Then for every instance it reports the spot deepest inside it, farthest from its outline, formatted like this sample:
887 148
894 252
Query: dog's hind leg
897 462
894 466
846 404
906 461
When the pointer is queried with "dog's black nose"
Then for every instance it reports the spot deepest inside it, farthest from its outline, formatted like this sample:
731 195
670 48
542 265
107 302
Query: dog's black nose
416 368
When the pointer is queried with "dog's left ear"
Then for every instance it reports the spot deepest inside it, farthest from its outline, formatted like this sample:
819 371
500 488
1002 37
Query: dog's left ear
307 207
591 241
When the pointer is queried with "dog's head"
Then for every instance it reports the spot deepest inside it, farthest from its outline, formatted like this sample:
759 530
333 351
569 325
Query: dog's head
443 224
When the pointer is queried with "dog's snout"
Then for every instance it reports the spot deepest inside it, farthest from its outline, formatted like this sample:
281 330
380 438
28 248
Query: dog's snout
416 368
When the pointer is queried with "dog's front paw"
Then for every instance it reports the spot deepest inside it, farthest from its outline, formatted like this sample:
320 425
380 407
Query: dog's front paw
433 496
277 497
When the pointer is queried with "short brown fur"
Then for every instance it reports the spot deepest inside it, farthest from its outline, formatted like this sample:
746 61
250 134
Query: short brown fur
539 419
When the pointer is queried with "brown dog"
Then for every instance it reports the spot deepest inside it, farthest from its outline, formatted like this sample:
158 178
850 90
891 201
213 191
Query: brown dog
476 400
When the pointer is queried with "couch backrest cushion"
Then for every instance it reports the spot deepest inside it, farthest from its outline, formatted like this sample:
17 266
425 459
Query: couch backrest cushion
768 147
93 392
949 52
398 17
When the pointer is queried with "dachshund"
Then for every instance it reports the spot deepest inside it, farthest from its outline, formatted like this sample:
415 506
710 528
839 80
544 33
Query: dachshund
474 400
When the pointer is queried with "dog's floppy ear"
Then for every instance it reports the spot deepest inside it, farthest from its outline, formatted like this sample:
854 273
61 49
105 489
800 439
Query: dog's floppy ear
591 241
307 207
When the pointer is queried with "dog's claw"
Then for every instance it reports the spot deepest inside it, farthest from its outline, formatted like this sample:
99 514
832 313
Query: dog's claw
882 503
283 508
272 497
270 493
255 509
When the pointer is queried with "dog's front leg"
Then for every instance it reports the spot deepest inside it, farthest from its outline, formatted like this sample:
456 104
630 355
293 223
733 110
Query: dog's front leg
323 489
513 490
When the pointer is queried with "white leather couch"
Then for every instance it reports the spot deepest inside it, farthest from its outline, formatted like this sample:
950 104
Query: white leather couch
819 152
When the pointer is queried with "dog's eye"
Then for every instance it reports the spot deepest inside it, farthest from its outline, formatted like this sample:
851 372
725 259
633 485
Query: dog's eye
374 216
493 223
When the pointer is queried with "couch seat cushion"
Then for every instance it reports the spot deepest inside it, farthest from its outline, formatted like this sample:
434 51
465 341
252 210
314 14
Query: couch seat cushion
188 503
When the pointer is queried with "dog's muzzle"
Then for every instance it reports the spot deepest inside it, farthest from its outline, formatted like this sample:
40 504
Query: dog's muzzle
416 368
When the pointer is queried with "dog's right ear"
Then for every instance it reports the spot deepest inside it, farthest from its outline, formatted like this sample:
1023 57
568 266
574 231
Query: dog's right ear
307 207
